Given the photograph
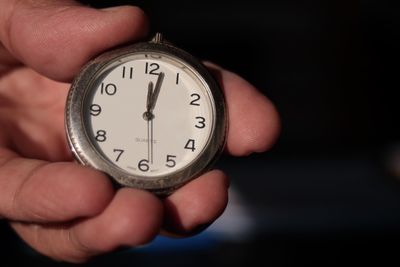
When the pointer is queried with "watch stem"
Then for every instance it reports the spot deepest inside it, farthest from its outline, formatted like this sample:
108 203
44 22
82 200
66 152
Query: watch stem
158 38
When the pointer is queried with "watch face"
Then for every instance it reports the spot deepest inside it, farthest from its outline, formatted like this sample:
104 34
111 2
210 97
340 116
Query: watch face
149 114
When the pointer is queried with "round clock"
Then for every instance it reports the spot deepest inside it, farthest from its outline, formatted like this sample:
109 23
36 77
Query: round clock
149 115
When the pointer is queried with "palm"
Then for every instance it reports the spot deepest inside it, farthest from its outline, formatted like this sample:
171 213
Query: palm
32 108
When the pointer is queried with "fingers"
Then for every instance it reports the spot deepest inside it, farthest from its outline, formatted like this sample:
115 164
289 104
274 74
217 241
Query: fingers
254 123
38 191
7 61
132 218
194 206
57 37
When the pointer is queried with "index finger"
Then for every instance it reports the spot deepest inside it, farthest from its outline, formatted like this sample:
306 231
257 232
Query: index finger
57 37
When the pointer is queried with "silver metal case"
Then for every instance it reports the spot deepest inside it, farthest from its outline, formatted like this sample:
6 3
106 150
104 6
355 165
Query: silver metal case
87 154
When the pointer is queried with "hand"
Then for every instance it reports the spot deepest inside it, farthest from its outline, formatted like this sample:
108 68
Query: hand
148 117
57 206
156 91
147 114
152 96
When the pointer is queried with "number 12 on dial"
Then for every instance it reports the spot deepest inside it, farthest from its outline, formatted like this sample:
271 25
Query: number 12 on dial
149 115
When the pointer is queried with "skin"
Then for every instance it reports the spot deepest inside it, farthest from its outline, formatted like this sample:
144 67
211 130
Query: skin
59 207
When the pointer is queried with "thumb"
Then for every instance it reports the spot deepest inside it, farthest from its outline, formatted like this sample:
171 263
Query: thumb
56 38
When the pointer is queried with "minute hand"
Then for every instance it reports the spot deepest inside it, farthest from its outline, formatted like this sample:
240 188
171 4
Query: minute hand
156 91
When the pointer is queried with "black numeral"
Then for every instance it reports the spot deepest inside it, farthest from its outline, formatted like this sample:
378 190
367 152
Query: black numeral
190 145
196 98
171 161
177 78
101 136
143 165
109 89
126 74
95 110
152 68
119 153
201 123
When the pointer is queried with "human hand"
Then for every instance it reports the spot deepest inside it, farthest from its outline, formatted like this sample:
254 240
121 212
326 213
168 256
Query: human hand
60 208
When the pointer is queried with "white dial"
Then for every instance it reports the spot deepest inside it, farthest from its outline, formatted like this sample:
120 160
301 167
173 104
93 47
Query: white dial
150 114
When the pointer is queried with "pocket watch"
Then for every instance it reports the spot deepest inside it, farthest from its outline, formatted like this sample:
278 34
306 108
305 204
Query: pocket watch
149 115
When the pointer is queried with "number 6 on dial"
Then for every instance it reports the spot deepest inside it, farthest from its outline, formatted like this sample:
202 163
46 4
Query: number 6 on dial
149 115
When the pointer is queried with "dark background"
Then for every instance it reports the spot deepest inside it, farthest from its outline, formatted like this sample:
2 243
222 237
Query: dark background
327 194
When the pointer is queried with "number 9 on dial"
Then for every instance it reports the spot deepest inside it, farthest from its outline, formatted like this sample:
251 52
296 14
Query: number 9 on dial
149 115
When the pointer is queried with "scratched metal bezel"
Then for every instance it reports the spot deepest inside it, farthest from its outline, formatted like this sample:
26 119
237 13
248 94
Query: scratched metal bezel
86 153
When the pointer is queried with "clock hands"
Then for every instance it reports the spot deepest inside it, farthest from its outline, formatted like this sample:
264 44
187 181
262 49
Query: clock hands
152 96
156 91
148 116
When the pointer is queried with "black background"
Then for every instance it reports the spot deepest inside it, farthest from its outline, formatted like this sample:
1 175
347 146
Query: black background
326 193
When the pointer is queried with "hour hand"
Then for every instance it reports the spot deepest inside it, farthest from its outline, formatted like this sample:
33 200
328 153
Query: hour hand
149 97
152 96
156 90
148 114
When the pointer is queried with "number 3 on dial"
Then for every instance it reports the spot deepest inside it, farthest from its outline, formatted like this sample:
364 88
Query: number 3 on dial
149 115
